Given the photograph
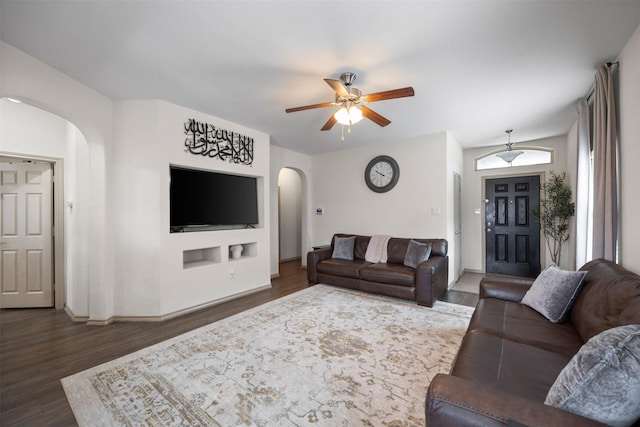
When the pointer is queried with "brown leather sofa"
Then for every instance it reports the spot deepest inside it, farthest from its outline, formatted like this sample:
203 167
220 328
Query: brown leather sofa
511 355
423 284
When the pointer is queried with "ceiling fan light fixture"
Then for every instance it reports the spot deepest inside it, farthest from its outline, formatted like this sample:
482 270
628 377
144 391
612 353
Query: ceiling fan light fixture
355 114
348 116
351 103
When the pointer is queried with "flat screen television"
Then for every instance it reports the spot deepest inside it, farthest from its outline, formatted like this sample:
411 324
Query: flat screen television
201 198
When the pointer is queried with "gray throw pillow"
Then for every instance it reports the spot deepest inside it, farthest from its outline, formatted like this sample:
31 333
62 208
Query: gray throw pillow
602 381
553 292
343 247
417 253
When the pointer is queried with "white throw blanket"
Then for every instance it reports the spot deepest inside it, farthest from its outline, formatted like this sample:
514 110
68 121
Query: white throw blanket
377 249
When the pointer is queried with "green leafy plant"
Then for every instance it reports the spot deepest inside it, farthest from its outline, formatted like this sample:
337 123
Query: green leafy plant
555 212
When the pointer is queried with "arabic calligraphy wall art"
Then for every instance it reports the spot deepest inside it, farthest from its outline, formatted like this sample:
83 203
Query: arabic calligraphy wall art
204 139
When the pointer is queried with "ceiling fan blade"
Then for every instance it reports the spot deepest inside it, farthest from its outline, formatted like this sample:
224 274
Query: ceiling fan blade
338 86
310 107
390 94
332 121
374 117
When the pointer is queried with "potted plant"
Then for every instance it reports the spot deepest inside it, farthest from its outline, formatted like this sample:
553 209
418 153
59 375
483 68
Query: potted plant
554 213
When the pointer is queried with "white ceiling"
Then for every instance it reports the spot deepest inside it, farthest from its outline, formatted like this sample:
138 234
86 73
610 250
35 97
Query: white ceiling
477 67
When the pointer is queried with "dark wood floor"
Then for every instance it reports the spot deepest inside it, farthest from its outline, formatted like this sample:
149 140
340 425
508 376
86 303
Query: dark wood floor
461 297
38 347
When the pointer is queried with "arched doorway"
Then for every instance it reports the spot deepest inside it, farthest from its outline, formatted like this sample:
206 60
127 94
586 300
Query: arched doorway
290 193
31 134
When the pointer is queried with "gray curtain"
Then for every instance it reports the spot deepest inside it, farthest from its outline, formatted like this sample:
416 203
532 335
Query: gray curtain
605 188
583 187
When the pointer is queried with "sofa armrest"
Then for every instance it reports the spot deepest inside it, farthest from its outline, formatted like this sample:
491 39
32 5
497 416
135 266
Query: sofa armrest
505 289
313 258
453 401
431 279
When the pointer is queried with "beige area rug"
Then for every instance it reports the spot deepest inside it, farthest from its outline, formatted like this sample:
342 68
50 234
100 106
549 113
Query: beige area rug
323 356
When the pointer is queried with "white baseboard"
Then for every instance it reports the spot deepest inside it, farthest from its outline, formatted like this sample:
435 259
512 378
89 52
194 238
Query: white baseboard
188 310
73 316
290 259
163 317
98 322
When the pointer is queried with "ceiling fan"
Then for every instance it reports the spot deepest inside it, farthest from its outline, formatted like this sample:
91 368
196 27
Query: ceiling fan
351 102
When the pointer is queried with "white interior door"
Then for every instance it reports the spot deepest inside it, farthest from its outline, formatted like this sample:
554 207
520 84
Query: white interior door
26 254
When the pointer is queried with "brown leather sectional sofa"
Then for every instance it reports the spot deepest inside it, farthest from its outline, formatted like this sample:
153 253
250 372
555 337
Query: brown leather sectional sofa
511 355
423 284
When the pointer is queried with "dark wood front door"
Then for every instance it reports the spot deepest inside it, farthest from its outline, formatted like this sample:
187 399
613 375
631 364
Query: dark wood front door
512 233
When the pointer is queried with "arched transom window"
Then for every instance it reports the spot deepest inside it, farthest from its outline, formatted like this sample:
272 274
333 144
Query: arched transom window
529 156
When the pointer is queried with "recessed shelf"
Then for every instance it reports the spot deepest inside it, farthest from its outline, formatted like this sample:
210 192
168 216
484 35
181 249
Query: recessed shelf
201 257
249 250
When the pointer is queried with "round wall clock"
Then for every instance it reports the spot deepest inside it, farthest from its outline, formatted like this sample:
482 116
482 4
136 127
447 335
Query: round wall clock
381 174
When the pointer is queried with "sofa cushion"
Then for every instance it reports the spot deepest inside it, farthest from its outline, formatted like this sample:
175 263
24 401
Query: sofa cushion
520 323
438 246
343 247
397 250
341 267
553 292
416 253
405 292
610 297
602 381
360 247
393 274
509 366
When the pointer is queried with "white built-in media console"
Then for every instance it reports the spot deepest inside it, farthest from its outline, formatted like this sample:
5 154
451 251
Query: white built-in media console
213 255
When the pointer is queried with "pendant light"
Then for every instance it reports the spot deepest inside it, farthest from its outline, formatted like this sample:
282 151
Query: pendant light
509 155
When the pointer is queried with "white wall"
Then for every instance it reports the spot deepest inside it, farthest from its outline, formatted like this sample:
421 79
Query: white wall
133 266
137 187
455 164
290 212
78 246
227 278
473 198
418 206
35 83
28 131
569 252
405 211
151 279
629 134
301 163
